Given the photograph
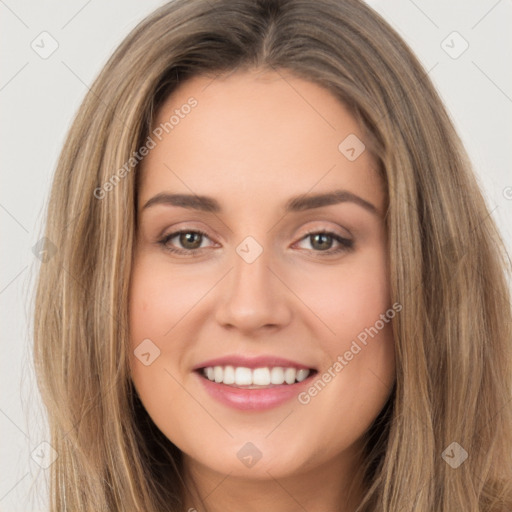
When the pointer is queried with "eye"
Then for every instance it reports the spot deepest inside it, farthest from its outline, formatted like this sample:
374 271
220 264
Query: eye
322 242
190 241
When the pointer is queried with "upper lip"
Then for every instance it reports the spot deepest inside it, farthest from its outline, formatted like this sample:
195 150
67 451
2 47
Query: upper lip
252 362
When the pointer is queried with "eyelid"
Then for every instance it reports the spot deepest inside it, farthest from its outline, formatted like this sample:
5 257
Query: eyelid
164 240
344 244
184 227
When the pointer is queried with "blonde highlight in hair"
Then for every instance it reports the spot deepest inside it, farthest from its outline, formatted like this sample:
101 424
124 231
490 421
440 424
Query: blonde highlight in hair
453 338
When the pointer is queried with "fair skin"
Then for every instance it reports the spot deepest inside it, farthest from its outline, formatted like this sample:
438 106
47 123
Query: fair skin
255 140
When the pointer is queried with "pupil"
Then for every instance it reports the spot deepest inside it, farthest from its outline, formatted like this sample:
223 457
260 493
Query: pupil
322 236
187 238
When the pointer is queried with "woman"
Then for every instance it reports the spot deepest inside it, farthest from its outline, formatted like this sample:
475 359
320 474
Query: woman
277 286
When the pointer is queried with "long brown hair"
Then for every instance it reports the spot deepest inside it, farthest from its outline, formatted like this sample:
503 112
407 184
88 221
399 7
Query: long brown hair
448 265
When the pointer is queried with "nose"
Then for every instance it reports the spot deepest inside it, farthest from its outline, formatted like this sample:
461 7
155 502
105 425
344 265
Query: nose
253 297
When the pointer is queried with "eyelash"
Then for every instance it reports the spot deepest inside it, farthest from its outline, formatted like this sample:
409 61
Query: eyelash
345 244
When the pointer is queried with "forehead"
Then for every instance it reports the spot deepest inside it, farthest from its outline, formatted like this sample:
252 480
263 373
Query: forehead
251 133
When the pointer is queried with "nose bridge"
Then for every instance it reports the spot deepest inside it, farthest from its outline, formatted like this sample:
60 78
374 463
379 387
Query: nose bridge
251 267
253 296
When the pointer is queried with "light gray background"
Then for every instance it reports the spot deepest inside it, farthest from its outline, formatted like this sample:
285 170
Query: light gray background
39 98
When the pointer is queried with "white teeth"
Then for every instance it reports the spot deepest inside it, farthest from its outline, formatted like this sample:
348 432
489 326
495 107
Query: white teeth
277 375
261 377
265 376
218 373
289 375
302 374
229 375
243 376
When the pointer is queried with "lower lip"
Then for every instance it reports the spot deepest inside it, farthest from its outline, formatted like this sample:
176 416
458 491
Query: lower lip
253 399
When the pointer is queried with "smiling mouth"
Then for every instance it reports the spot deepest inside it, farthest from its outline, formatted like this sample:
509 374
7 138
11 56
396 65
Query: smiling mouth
257 378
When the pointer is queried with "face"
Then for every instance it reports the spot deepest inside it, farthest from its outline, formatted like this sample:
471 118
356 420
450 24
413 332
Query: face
259 306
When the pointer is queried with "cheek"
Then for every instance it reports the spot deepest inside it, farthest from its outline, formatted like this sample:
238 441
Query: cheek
157 302
332 306
159 299
349 299
358 368
155 308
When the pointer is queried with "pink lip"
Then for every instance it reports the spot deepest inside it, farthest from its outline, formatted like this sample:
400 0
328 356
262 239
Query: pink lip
252 362
253 399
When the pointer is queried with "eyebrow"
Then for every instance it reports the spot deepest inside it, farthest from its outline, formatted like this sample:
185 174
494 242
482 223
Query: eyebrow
294 204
